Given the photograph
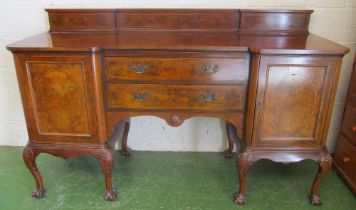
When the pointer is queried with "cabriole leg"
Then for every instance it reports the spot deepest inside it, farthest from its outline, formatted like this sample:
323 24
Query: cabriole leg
324 168
29 157
242 164
106 159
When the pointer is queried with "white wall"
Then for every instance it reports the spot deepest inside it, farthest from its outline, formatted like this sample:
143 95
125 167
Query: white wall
332 19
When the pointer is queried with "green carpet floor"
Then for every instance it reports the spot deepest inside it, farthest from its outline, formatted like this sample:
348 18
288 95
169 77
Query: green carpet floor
165 180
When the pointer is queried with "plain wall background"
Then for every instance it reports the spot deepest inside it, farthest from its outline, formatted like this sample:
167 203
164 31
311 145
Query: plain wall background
332 19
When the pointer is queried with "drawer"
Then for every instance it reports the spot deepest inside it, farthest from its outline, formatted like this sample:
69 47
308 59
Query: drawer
160 96
345 156
349 123
177 69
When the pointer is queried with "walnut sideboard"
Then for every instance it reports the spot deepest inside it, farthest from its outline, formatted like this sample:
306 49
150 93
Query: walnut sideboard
260 70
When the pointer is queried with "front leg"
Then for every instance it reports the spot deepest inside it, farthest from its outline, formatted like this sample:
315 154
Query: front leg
242 164
106 159
29 157
324 168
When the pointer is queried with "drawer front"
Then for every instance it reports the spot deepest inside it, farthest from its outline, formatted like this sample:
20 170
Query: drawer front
345 155
177 69
193 97
349 123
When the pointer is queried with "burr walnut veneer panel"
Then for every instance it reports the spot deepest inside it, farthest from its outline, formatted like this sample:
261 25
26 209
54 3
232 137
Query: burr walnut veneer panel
253 21
292 98
177 19
82 20
59 97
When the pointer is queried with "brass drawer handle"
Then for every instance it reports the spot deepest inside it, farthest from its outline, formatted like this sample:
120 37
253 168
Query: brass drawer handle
346 159
141 97
210 68
138 68
209 97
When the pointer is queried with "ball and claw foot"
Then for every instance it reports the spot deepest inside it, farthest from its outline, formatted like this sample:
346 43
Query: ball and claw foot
239 199
315 200
111 195
39 193
126 152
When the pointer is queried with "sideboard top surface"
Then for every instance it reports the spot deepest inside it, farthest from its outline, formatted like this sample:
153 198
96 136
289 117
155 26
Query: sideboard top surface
258 31
193 41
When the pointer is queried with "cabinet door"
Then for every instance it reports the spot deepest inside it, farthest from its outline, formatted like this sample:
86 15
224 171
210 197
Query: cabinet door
293 100
57 93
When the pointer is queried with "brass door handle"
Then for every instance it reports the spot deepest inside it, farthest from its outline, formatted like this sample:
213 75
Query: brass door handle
138 68
209 97
210 68
141 97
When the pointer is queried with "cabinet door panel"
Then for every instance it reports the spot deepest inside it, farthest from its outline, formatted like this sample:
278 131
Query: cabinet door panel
292 100
57 94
